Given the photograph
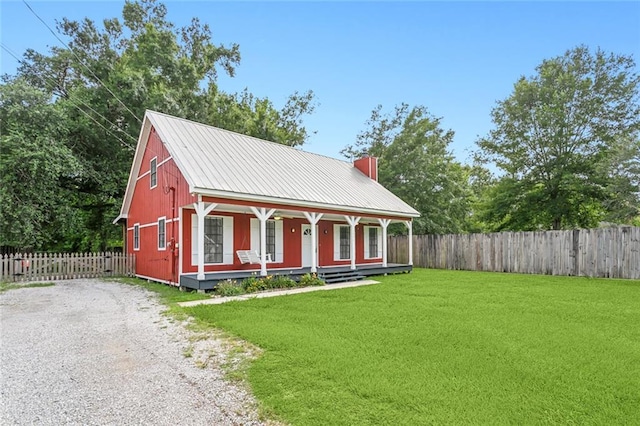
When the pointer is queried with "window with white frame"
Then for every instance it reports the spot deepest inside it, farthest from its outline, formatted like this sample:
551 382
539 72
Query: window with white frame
136 236
153 172
218 240
274 237
345 242
271 238
372 242
213 239
341 242
162 233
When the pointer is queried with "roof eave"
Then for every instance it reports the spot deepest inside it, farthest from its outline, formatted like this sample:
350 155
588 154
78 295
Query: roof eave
297 203
121 219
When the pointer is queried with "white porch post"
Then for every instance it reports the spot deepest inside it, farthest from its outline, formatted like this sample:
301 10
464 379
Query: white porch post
263 214
384 223
353 221
313 219
409 226
202 209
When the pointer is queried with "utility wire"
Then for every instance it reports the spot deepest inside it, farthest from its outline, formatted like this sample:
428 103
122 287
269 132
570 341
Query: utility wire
10 52
125 144
81 62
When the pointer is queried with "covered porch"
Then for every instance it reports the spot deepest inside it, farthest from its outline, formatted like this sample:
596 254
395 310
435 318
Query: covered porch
330 274
284 239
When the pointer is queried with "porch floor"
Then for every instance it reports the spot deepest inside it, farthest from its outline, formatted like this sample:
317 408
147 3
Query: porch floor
191 281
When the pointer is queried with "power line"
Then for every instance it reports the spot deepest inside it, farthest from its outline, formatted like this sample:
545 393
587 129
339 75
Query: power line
52 80
10 52
81 62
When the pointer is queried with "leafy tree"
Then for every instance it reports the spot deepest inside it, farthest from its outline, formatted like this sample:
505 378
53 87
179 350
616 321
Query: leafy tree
565 142
415 164
244 113
33 159
117 70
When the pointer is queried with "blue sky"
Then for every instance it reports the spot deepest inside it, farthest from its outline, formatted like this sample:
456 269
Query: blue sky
456 58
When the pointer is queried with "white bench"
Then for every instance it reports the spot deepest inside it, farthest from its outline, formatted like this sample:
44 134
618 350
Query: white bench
251 256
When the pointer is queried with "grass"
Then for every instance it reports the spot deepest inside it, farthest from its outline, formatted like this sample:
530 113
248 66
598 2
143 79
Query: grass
5 286
446 347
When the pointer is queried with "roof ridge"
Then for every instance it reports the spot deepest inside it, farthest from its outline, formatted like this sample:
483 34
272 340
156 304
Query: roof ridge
246 136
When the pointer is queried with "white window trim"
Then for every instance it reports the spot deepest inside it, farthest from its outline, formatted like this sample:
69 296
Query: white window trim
367 254
151 174
336 242
136 226
194 219
163 218
157 167
254 238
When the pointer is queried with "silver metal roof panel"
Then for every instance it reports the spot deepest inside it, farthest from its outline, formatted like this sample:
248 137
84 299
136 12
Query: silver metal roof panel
224 161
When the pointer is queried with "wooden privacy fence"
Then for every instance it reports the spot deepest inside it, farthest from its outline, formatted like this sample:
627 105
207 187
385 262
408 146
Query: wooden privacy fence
61 266
603 252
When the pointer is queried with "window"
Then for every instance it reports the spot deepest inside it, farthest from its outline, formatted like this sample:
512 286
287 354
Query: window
271 238
345 242
154 172
373 242
218 240
136 236
274 238
162 233
213 235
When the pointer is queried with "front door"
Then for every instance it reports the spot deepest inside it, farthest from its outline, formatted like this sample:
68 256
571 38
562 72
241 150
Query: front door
306 245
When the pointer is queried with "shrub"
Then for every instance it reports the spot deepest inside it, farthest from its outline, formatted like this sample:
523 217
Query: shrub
309 280
229 288
282 281
253 284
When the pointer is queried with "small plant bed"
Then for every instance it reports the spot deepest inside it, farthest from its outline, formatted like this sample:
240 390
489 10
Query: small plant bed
255 284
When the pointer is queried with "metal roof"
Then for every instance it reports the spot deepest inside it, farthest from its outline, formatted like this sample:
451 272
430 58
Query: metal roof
213 159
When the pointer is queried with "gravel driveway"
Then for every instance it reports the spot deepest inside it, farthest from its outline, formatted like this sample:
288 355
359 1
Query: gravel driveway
94 352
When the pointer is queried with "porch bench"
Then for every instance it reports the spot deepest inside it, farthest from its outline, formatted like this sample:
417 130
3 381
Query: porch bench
251 256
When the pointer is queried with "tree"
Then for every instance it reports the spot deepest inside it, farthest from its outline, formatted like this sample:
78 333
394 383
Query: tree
558 140
247 114
414 163
117 70
33 159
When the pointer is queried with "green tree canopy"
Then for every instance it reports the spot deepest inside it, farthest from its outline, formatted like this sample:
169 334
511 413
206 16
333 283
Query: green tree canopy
34 158
415 164
99 89
566 145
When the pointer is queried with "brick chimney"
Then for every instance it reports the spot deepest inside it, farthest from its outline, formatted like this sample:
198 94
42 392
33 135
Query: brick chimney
368 166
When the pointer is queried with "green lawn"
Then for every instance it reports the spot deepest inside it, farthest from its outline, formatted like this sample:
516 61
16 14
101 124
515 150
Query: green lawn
446 347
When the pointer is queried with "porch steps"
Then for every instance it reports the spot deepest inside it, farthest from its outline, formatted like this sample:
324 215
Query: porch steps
332 277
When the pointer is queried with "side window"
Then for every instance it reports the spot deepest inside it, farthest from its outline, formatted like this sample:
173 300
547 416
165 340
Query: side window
154 172
162 233
345 242
213 236
373 242
218 240
271 238
136 236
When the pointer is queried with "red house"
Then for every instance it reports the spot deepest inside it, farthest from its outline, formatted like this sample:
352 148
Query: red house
205 204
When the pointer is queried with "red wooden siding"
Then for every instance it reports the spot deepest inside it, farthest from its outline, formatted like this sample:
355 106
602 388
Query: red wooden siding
148 204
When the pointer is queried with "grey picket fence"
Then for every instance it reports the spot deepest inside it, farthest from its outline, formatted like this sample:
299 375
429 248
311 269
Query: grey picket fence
604 252
63 266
